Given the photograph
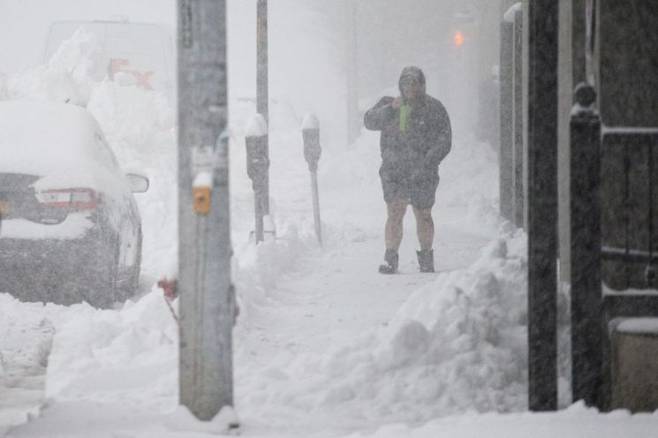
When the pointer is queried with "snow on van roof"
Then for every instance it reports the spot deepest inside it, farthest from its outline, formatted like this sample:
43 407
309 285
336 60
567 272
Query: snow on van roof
40 138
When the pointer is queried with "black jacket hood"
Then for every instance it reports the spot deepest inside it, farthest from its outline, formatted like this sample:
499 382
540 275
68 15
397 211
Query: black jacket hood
414 72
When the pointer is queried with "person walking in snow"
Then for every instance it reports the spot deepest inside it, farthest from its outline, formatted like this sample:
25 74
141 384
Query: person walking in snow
415 138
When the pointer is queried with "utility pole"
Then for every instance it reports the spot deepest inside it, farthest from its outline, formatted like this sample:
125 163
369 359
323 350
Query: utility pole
262 88
207 305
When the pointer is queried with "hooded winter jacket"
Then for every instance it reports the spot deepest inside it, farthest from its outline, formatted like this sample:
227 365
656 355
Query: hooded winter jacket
414 141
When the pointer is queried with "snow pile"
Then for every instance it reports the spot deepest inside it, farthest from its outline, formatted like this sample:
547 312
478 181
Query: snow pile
27 331
257 269
126 356
70 75
459 343
455 346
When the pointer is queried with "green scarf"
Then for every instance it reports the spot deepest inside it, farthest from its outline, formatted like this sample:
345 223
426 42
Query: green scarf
405 112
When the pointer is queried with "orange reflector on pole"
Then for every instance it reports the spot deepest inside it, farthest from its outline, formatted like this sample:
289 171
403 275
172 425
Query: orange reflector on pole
459 39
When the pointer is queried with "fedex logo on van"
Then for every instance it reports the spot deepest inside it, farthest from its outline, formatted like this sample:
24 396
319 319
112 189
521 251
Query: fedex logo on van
122 65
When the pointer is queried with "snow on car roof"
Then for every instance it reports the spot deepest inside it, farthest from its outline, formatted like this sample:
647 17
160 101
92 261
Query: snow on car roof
42 138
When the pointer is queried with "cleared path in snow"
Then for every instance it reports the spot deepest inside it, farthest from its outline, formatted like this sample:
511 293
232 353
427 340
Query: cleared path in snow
338 294
333 298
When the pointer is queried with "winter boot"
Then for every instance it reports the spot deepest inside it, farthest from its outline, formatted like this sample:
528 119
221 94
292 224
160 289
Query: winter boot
426 260
391 259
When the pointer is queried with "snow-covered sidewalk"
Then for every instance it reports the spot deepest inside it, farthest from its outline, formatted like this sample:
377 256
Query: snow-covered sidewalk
322 318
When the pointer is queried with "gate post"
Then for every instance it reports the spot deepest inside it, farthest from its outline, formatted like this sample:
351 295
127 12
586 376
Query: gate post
542 204
585 205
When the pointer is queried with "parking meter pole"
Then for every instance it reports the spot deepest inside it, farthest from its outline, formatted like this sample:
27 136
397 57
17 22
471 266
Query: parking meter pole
207 305
312 152
258 215
262 85
262 60
316 206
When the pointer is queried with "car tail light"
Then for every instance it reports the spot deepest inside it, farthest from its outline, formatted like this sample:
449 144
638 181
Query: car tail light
70 199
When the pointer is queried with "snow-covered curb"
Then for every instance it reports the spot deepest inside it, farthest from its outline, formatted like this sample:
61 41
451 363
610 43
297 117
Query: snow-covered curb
575 422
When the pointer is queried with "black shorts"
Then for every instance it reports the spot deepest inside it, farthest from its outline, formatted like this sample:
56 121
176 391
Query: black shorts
420 192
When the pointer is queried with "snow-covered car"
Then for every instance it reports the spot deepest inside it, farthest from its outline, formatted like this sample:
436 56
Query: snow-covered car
70 228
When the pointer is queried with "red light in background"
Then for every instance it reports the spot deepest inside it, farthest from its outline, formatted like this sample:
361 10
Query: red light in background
458 39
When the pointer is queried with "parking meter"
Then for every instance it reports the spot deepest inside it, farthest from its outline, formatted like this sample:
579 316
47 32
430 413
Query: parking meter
257 160
312 152
256 141
311 136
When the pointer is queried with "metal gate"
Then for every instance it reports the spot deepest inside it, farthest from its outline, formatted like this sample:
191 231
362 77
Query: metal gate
614 187
629 219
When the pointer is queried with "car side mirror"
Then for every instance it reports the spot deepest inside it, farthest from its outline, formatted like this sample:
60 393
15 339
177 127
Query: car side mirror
138 183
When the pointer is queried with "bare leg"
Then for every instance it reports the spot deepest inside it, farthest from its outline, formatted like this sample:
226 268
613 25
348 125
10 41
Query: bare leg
396 210
424 227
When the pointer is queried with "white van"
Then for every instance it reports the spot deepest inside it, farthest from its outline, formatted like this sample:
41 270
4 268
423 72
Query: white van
142 52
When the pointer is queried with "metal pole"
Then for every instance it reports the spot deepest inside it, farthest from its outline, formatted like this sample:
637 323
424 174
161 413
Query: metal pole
518 183
542 204
207 304
262 84
257 168
316 206
505 155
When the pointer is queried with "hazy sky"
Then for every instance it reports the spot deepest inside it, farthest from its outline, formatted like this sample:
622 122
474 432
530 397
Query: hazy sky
24 24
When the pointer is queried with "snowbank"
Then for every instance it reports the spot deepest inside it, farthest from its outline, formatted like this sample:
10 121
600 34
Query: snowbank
68 77
26 336
125 356
456 345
